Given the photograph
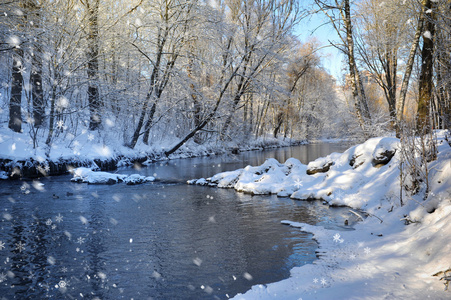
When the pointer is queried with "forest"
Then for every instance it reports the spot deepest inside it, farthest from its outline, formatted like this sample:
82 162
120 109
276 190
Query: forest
160 73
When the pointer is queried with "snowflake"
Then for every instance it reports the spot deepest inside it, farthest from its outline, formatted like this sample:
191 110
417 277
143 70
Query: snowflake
337 237
62 284
367 250
22 70
47 168
80 240
60 124
59 218
53 226
20 246
298 183
31 276
2 245
48 222
41 170
352 256
323 281
315 280
197 261
90 137
64 269
2 277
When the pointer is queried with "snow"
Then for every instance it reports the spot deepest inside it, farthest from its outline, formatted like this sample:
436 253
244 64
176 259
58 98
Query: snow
86 175
89 146
383 258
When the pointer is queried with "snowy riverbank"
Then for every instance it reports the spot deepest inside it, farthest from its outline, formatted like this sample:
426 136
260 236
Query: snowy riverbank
20 157
383 258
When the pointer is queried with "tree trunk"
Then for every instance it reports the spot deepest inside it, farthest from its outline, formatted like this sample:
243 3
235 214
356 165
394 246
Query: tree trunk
443 67
426 73
37 92
149 122
93 66
390 76
359 102
411 60
279 122
15 116
52 116
228 120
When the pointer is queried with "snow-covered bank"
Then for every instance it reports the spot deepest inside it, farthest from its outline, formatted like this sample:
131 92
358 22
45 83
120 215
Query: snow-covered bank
382 258
86 175
20 157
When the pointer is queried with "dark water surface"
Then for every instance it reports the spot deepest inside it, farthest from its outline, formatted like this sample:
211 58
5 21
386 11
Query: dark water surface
161 240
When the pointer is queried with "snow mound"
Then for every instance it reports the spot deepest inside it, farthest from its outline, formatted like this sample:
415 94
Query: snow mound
351 178
87 175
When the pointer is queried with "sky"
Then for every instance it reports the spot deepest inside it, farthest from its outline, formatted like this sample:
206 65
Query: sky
309 27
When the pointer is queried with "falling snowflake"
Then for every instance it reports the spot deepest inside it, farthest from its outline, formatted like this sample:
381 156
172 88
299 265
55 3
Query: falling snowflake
315 280
323 281
367 250
64 269
298 183
59 218
90 137
31 275
22 70
352 256
2 277
337 237
48 222
41 170
197 261
76 144
248 276
62 284
60 124
20 246
47 168
2 245
80 240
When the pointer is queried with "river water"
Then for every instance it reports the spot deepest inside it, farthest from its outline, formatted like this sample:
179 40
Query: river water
161 240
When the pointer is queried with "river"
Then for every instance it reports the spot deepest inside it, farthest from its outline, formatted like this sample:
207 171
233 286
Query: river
162 240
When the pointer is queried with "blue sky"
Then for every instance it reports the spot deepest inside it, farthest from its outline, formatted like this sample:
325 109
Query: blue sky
332 59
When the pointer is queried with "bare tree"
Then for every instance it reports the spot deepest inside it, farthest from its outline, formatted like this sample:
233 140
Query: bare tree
171 36
383 32
347 38
264 26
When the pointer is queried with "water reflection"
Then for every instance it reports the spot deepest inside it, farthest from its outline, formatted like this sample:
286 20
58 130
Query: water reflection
165 241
